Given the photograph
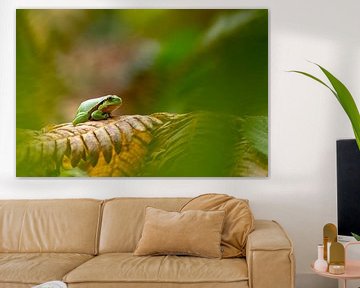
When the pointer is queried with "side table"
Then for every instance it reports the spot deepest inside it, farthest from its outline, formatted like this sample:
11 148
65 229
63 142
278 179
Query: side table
352 268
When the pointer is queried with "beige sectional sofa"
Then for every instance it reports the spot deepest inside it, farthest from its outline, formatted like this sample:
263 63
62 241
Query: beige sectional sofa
89 243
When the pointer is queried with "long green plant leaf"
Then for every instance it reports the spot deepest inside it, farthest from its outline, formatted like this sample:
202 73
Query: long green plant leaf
344 97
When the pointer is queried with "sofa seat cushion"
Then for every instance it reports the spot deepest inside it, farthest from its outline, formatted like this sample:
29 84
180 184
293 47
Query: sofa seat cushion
36 268
242 284
125 267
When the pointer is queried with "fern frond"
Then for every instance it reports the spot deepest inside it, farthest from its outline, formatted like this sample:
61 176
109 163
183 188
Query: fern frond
251 149
209 144
91 145
127 163
201 144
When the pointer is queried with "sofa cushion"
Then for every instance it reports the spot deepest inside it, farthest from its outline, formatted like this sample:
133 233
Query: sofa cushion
237 284
126 268
36 268
239 220
15 285
193 232
63 226
123 220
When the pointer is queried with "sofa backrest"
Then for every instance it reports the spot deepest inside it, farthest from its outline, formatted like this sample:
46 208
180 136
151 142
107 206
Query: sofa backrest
123 220
68 226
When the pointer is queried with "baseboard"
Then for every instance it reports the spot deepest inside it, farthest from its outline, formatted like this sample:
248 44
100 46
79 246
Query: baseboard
310 280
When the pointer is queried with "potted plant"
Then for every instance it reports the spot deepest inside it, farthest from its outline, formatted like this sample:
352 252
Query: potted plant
344 97
346 100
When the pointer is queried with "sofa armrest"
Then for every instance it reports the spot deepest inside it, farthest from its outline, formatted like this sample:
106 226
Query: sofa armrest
269 256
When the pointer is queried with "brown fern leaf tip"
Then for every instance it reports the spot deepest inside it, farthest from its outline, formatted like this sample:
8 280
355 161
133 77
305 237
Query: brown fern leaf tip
85 141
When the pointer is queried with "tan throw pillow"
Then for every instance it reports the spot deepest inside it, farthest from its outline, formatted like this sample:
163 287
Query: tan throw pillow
196 233
239 220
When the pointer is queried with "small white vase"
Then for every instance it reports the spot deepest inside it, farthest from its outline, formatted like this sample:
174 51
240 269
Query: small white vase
320 264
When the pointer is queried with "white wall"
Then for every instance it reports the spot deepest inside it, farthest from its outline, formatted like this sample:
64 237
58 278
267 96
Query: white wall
305 120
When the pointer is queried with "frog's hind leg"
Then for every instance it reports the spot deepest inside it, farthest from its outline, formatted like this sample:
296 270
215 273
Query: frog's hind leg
98 115
80 118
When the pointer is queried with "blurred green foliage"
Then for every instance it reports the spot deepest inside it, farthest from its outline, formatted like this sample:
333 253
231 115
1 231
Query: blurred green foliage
156 60
175 61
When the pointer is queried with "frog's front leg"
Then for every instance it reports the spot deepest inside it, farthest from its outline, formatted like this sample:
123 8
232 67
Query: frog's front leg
99 115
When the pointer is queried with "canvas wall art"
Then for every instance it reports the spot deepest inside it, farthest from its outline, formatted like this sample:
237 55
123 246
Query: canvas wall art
142 93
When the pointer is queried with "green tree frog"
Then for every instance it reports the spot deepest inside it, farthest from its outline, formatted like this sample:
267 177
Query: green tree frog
97 108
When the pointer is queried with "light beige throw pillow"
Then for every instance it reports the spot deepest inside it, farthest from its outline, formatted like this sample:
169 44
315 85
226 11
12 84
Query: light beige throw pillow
193 232
238 223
